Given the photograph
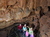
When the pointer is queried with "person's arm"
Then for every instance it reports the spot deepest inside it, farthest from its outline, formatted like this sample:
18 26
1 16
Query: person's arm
23 28
27 26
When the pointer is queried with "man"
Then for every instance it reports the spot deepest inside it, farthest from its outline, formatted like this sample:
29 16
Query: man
24 30
20 28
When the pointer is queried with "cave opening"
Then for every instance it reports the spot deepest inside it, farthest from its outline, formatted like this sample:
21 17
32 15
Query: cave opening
14 31
48 8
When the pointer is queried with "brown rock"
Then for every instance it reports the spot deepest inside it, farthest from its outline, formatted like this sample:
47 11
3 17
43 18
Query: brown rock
44 26
3 3
3 34
11 2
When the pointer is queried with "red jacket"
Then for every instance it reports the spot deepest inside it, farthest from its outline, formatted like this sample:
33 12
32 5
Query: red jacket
20 27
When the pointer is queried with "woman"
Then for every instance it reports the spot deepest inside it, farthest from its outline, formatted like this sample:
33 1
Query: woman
31 32
27 33
24 30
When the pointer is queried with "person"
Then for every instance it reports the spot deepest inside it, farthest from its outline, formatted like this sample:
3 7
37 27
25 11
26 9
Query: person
24 30
31 32
27 33
20 28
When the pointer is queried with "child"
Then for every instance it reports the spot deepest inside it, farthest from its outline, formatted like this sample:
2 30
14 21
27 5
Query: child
31 32
27 33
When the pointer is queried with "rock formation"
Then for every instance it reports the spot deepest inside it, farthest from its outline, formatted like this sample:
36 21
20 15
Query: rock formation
44 25
34 12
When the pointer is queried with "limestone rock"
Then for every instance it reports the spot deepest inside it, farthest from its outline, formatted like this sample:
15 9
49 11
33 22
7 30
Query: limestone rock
48 2
3 3
23 11
15 14
11 2
45 25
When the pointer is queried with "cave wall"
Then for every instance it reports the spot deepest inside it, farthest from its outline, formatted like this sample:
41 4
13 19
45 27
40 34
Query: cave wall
18 9
26 11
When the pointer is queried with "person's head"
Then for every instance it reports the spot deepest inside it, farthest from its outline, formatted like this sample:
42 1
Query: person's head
25 25
20 25
31 29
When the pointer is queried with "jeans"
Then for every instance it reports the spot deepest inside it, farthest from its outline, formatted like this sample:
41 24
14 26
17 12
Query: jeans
24 33
20 30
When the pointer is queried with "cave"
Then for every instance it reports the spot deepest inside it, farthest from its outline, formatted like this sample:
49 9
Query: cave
14 31
33 13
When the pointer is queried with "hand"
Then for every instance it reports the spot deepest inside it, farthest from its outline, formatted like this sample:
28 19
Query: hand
27 26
